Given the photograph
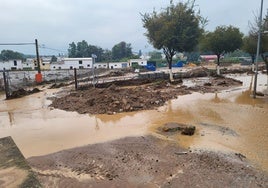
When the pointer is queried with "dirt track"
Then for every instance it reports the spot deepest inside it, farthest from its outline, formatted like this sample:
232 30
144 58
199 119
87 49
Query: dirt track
144 162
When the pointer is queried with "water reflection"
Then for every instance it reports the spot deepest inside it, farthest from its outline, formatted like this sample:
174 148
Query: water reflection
11 118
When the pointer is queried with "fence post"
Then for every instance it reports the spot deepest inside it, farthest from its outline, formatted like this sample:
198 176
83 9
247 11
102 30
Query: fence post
75 79
6 84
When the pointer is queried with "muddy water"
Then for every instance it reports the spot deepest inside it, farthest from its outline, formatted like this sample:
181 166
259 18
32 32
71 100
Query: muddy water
38 130
228 121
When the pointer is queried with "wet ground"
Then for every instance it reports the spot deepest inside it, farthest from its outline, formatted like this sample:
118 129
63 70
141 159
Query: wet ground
229 121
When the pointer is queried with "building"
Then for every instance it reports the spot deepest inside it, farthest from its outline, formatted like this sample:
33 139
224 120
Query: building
78 63
118 65
15 64
28 64
101 65
137 63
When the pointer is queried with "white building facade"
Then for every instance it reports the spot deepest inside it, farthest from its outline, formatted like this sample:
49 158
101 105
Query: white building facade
118 65
15 64
78 63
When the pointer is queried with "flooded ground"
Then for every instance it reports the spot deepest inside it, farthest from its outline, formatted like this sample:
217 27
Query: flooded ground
226 121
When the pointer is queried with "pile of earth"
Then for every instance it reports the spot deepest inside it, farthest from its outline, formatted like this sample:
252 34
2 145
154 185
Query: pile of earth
116 97
145 161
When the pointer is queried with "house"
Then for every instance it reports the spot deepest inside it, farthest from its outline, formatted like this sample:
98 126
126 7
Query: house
137 63
15 64
28 64
101 65
78 63
56 65
118 65
45 64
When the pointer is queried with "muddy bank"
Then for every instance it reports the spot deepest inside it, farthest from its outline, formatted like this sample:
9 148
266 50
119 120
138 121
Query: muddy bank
22 92
144 162
14 169
144 94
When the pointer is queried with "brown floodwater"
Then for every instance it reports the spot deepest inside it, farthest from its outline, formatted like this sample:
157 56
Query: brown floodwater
228 121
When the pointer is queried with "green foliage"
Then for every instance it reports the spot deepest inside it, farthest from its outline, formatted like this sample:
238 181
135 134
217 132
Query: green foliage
53 59
175 29
155 55
250 41
121 50
10 55
223 40
83 49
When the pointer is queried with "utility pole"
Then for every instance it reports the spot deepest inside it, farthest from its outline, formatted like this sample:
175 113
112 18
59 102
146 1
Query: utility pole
258 51
38 76
37 56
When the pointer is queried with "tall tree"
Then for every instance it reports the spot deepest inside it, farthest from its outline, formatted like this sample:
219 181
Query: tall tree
83 49
176 28
223 40
6 55
121 50
53 59
251 47
72 50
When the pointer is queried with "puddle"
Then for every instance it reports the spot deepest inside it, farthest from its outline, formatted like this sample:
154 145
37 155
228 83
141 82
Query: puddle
237 122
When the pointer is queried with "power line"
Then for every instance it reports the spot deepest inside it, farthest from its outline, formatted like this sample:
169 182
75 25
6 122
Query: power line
44 47
15 44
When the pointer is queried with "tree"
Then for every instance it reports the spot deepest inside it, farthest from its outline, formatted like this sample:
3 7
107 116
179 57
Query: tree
155 55
121 50
6 55
250 46
107 55
72 50
83 49
53 59
223 40
174 29
250 43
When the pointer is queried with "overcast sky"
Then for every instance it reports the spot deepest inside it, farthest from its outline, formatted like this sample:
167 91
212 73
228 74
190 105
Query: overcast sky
56 23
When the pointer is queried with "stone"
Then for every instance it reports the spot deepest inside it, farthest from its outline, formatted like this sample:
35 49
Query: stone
189 130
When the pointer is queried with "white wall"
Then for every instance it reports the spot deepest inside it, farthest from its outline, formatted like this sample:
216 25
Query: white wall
79 63
118 65
11 65
141 62
101 65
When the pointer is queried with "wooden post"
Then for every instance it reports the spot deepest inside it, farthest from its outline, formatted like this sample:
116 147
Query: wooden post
6 84
75 79
37 56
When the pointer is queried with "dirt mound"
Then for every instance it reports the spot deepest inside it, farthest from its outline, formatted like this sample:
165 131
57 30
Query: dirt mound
132 95
144 162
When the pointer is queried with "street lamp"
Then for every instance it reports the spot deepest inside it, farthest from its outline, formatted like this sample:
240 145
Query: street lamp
258 51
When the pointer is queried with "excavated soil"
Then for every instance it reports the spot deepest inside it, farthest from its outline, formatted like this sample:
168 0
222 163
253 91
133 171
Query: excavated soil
133 95
144 162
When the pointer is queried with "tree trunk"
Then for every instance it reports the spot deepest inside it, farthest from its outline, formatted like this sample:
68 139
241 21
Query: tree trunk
170 71
218 64
169 53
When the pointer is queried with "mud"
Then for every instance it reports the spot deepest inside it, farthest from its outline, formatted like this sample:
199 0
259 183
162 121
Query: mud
22 92
111 98
144 162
